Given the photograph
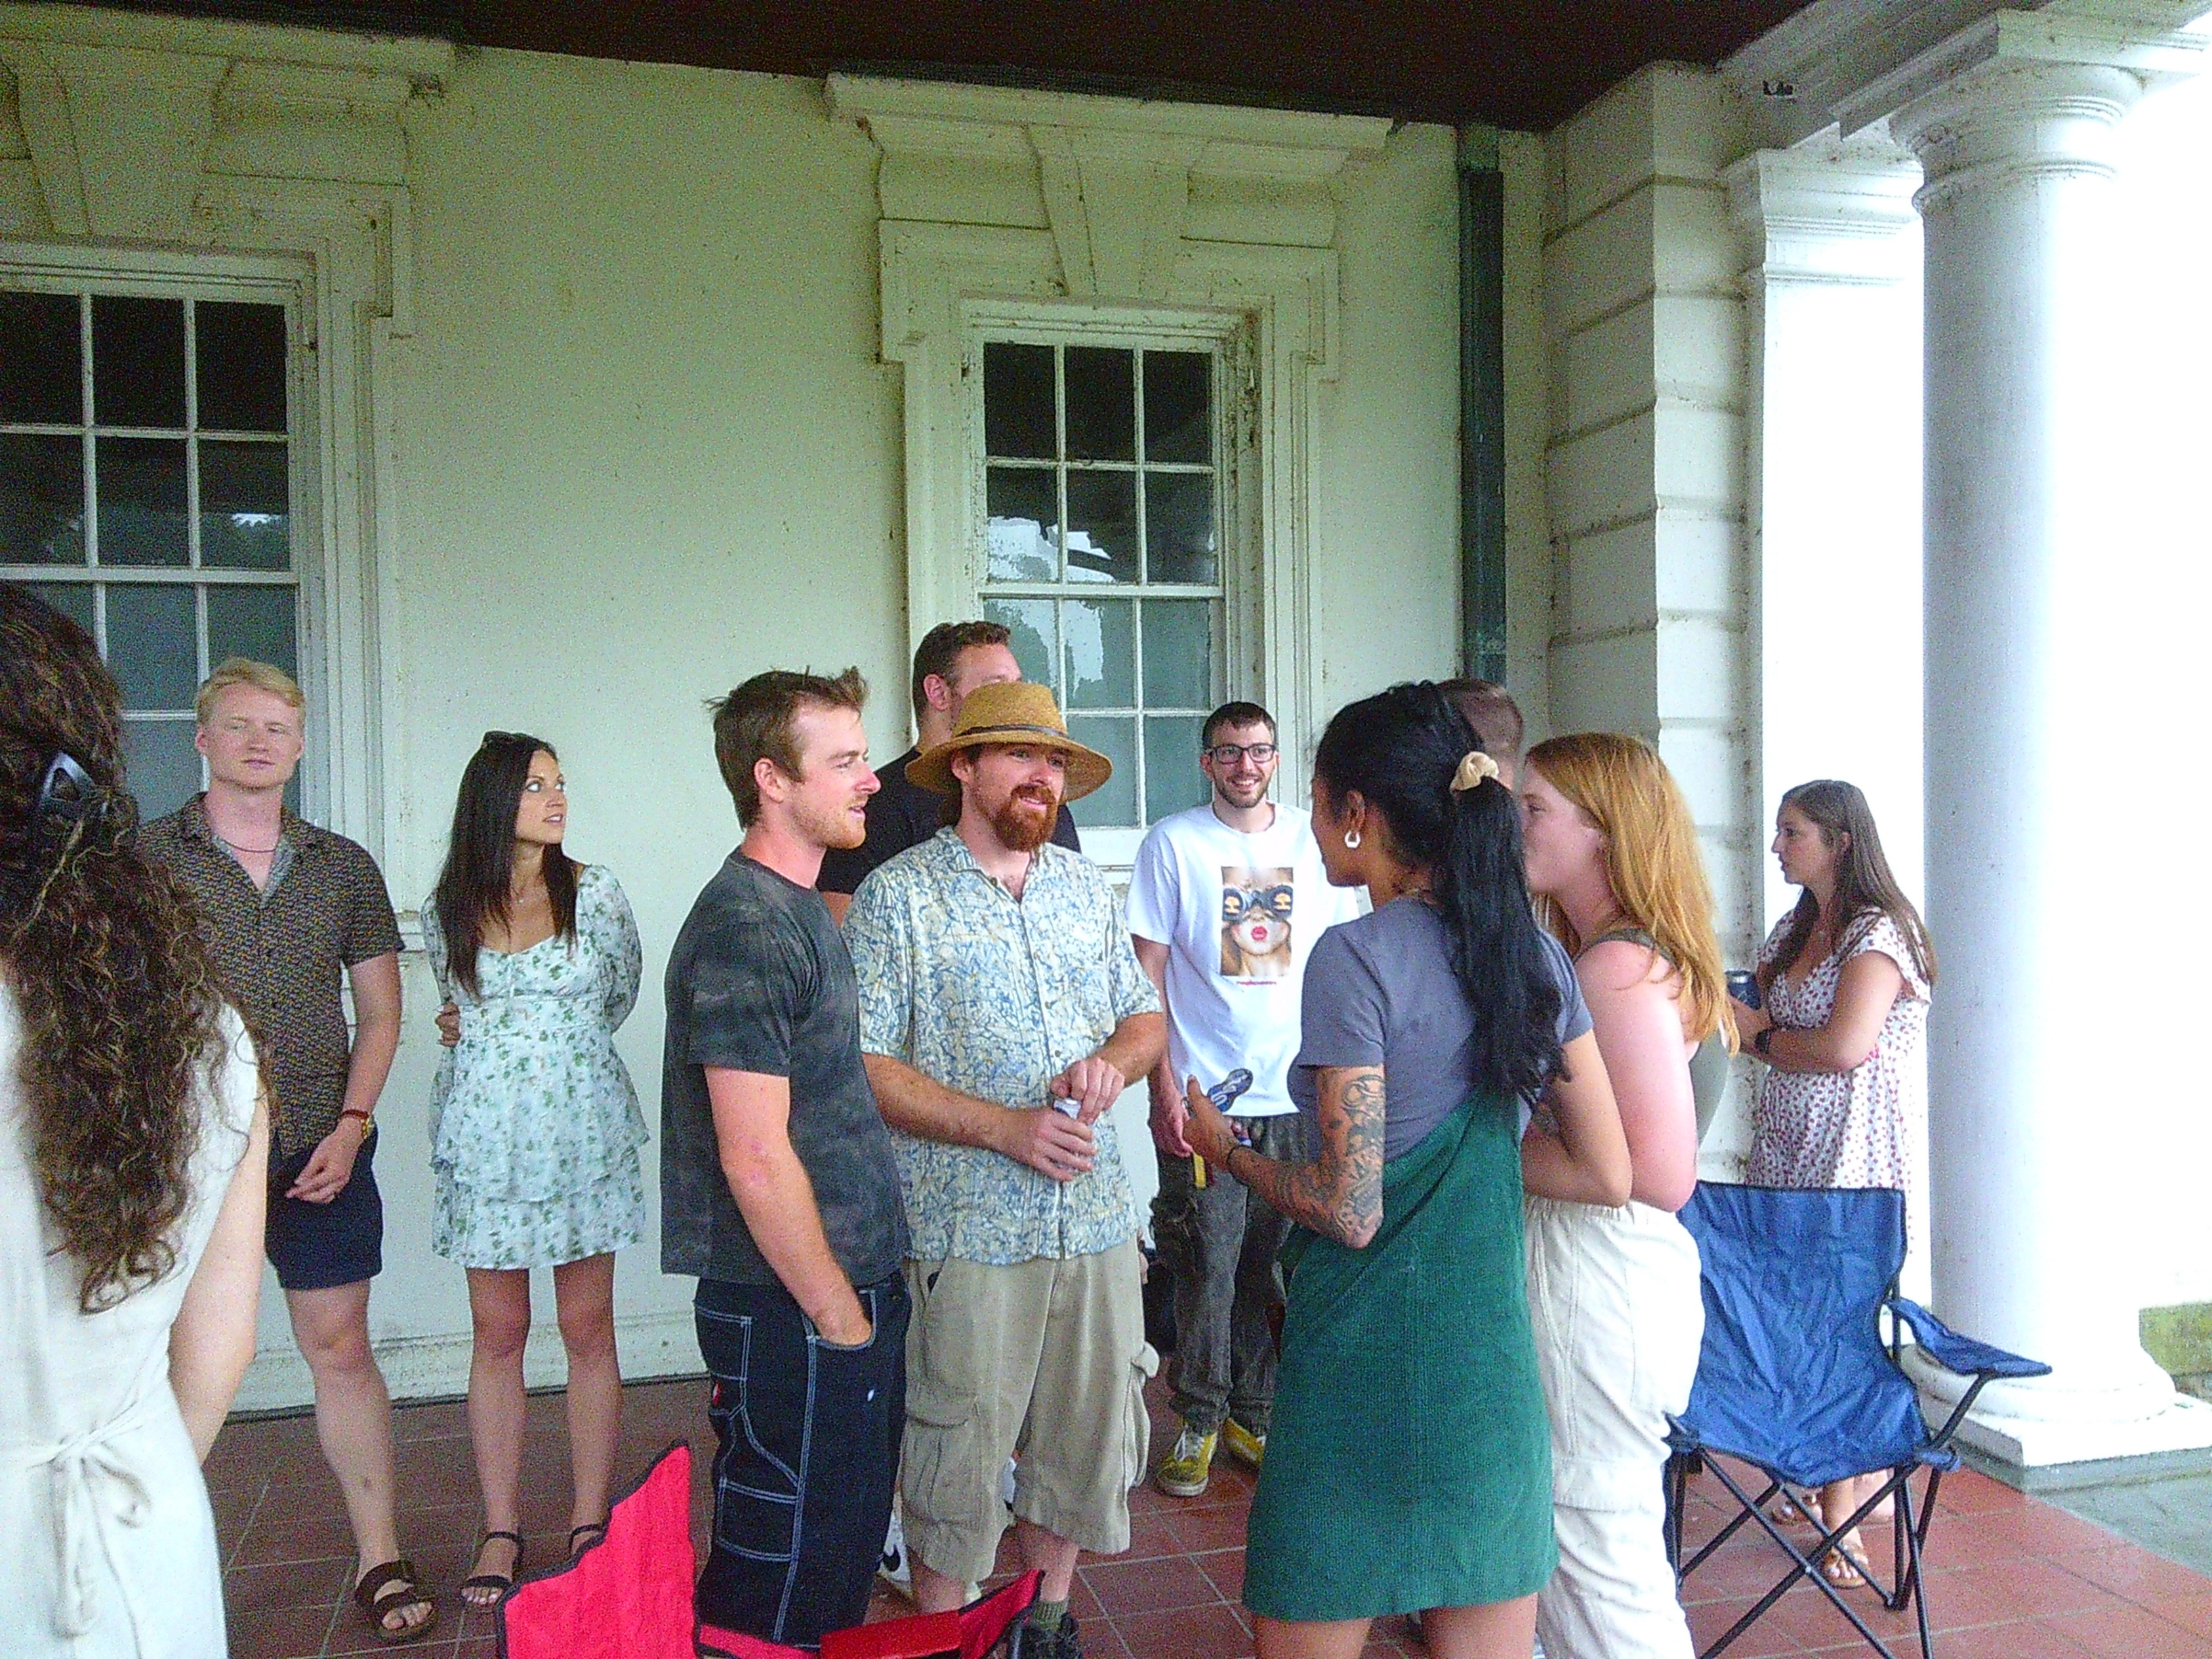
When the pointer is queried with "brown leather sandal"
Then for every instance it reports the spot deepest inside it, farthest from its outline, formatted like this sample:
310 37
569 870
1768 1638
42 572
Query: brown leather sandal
497 1582
391 1588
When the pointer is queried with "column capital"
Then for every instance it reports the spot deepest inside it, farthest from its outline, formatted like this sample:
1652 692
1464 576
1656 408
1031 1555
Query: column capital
2023 93
1829 211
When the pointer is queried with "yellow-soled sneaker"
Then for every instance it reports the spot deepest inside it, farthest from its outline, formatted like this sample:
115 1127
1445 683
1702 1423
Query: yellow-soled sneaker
1240 1442
1188 1468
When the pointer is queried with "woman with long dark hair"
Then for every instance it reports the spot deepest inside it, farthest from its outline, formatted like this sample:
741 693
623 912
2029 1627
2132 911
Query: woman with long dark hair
535 1126
133 1161
1614 1291
1409 1464
1844 981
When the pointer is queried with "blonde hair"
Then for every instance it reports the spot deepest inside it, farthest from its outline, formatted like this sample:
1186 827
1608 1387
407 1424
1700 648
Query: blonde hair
1651 861
243 670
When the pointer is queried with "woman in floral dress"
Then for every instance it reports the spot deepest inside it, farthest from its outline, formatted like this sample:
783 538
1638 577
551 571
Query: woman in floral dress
534 1126
1844 981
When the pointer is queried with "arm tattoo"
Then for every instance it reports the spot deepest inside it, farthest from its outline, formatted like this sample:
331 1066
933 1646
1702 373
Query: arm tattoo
1339 1194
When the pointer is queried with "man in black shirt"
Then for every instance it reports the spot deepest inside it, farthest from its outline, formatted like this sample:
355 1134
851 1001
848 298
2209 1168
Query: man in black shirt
952 661
777 1184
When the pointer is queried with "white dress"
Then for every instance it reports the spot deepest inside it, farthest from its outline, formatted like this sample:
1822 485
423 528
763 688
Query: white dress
535 1125
1864 1127
107 1548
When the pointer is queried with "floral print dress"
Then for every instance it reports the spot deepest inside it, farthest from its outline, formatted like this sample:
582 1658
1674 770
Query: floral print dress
1864 1127
535 1125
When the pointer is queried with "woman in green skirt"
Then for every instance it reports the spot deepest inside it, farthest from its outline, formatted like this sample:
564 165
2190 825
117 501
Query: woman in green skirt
1408 1465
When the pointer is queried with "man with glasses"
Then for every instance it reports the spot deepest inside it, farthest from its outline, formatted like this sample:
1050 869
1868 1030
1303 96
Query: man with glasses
1225 902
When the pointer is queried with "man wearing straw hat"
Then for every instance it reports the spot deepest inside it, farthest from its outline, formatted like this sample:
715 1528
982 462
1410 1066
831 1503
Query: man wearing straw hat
1002 1010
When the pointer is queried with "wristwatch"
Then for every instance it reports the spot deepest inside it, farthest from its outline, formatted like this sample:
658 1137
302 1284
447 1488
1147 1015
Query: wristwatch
1765 1037
367 1120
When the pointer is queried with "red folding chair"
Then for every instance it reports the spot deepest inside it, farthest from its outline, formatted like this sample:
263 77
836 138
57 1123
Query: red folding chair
628 1596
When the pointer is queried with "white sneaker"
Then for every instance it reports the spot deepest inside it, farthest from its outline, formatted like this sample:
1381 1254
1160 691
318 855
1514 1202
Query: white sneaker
895 1569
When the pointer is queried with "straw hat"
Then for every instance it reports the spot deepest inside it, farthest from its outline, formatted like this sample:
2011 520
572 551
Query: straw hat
1012 713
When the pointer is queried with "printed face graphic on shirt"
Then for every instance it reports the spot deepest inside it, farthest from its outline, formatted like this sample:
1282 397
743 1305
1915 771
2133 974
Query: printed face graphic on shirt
1255 922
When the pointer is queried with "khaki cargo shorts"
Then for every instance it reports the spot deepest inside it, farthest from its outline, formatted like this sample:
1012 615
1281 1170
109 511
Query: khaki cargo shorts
1045 1361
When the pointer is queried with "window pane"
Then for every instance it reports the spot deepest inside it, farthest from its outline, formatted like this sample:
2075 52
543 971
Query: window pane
160 765
1179 539
137 360
72 599
141 501
1179 406
1115 805
246 496
151 648
1178 653
1018 417
41 499
260 623
41 372
1172 779
1101 527
1029 622
1101 405
1101 654
238 350
1021 542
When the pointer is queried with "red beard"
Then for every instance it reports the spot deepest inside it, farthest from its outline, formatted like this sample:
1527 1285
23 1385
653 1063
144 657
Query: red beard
1026 820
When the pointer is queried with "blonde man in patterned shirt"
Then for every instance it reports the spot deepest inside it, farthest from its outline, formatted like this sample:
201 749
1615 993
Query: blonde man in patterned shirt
1002 1011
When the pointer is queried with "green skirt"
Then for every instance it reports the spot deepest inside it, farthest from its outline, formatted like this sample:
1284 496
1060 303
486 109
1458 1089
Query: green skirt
1409 1461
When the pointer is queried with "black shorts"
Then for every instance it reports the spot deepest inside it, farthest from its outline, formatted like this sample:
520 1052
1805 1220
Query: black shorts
320 1247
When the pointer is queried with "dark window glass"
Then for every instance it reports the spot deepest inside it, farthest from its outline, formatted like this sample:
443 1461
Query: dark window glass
1101 527
240 351
72 599
1022 539
41 371
1030 623
1179 537
41 499
257 622
1101 405
245 495
160 765
1018 417
137 360
1113 804
1172 779
1178 407
141 501
150 640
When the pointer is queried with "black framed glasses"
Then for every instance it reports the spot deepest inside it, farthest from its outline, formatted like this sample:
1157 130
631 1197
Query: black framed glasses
1228 754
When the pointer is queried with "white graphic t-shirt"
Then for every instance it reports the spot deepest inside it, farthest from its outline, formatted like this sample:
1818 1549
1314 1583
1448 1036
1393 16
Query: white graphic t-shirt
1239 914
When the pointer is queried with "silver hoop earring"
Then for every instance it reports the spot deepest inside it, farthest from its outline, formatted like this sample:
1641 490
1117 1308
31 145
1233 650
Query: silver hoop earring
1352 840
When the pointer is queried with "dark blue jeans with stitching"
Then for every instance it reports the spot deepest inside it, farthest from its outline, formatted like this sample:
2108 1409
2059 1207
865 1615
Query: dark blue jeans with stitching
809 1446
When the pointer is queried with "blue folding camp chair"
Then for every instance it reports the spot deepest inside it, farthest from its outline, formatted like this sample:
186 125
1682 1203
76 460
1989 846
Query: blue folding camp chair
1795 1378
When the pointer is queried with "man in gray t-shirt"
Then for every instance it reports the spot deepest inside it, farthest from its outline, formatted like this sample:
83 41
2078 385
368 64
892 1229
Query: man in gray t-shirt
777 1184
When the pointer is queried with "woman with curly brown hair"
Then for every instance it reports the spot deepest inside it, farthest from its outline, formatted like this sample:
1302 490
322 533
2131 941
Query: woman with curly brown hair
133 1144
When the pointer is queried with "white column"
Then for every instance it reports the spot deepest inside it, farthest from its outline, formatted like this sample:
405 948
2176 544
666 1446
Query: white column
2034 1015
1831 250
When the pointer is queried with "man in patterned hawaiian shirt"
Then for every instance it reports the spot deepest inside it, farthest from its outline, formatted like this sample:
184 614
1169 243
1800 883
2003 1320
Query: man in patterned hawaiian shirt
1002 1010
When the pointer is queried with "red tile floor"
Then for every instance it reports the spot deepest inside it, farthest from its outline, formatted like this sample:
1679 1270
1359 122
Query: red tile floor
2010 1577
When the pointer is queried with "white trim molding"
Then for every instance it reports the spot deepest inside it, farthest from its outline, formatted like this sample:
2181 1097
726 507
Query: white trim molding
1226 216
1847 64
149 136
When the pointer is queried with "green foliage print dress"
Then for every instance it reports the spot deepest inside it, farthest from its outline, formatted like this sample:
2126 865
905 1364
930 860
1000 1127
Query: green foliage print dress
535 1125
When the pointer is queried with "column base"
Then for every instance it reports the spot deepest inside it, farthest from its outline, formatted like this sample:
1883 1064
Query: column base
2036 1437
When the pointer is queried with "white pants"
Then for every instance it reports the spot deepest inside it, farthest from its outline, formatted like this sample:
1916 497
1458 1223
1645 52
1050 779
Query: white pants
1618 1317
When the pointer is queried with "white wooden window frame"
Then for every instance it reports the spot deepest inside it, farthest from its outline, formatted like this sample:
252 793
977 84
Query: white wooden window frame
264 280
999 201
1227 337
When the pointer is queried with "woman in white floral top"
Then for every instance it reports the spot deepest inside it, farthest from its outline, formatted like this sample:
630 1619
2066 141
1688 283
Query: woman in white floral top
1843 982
534 1124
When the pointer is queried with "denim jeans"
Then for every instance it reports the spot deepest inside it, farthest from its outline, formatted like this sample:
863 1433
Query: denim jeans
1218 1244
808 1435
